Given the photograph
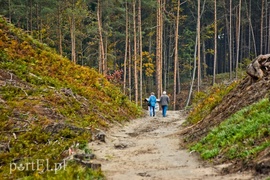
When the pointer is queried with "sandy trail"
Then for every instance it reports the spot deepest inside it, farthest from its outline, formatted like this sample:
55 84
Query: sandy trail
148 148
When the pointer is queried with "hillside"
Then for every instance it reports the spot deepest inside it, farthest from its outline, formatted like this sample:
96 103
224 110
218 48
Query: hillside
236 130
47 105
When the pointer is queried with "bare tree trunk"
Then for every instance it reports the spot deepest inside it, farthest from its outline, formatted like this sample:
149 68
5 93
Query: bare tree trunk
204 60
140 40
238 27
176 56
251 27
269 32
159 48
105 56
72 34
135 52
60 47
9 11
129 68
126 49
29 17
170 57
199 43
101 45
179 80
266 27
194 73
230 43
262 15
197 48
215 39
165 65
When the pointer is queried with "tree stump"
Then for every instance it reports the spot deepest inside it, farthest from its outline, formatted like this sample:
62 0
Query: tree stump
259 67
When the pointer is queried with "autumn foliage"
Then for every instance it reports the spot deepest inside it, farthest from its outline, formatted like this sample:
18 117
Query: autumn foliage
47 104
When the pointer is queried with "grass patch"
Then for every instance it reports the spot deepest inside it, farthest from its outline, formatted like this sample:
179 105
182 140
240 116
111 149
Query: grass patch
241 136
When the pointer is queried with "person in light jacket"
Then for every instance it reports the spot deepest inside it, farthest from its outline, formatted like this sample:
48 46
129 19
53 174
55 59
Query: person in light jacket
152 103
164 101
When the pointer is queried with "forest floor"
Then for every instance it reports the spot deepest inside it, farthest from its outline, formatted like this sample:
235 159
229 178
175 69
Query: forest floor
150 148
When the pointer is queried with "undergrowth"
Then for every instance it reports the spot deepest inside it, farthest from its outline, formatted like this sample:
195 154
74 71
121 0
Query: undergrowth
241 136
204 102
41 89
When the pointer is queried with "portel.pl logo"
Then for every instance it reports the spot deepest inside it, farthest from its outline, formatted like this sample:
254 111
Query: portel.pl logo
40 165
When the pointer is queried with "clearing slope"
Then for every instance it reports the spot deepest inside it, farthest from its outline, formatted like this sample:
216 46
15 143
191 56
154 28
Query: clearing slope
241 96
48 104
246 93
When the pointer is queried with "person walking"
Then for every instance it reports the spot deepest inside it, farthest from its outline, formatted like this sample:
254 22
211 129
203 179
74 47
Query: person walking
152 103
164 101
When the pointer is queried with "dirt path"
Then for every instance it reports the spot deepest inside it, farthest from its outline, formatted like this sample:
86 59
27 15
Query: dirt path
146 149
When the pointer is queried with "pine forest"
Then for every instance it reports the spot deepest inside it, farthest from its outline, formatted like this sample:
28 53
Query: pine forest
150 45
75 77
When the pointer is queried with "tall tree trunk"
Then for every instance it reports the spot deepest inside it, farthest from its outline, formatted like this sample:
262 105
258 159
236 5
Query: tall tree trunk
199 43
194 73
238 28
129 68
249 28
165 62
101 45
269 31
178 89
105 50
215 39
161 47
126 49
262 15
140 40
59 29
72 34
230 40
248 14
266 26
31 18
9 11
158 48
176 56
204 73
135 52
38 21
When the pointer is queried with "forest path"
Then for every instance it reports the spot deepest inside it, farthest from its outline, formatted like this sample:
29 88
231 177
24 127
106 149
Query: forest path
149 149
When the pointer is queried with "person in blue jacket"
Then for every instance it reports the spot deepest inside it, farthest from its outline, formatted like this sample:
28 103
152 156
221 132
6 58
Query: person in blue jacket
152 103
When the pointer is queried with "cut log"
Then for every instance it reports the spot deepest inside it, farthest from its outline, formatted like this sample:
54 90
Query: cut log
259 66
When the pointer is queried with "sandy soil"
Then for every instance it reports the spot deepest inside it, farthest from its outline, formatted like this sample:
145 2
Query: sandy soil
149 149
